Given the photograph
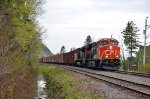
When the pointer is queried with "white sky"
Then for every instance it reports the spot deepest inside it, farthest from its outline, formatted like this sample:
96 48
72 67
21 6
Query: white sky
68 22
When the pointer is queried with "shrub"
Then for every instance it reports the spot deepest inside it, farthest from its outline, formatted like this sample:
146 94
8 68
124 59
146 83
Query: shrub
59 83
144 68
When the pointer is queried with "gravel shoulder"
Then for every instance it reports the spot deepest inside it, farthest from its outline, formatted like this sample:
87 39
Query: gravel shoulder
138 79
132 78
105 90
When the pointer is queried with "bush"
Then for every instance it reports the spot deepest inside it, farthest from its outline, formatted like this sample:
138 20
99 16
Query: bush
58 82
20 84
145 68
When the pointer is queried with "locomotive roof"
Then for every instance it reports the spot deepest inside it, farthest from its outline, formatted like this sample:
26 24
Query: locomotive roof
107 39
94 43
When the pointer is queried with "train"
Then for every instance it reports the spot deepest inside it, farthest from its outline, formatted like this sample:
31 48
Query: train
104 54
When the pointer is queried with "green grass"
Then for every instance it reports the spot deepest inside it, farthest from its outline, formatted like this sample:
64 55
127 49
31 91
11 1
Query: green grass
144 68
62 84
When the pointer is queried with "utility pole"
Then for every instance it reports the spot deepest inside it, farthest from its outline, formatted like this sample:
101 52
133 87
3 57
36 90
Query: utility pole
145 40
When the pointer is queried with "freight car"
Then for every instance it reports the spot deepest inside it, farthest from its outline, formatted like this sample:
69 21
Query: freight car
104 53
69 58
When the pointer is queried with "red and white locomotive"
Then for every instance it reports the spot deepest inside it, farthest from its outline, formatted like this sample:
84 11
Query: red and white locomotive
102 54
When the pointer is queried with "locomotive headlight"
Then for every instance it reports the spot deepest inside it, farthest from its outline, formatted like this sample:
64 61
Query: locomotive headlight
110 47
106 56
117 56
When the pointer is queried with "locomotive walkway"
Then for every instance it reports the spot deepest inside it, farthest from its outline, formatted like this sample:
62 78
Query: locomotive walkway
139 86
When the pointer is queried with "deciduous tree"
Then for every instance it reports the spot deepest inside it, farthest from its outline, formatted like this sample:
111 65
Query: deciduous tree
20 42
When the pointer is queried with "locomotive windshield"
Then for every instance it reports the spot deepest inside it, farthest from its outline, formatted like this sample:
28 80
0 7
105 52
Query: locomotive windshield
114 43
103 43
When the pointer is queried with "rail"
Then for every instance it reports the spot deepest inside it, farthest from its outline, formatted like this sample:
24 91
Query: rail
134 73
142 89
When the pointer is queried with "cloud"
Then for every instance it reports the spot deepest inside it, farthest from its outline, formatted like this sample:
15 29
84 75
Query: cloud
70 21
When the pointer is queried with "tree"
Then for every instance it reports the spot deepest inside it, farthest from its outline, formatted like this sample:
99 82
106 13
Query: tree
139 59
88 40
139 55
63 49
131 39
20 42
72 49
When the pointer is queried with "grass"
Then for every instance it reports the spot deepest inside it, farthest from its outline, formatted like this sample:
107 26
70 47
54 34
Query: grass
62 84
144 68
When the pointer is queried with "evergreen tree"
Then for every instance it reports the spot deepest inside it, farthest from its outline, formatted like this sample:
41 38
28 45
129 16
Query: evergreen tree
72 49
131 39
88 40
63 49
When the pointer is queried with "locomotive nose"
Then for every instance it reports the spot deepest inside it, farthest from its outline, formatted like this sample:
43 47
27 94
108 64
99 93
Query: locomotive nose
110 47
111 52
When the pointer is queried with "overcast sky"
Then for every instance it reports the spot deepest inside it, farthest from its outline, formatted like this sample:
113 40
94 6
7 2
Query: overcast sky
68 22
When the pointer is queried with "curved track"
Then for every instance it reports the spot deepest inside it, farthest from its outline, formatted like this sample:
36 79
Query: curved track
138 88
134 73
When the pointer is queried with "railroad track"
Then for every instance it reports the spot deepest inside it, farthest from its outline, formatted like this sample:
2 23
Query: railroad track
139 89
134 73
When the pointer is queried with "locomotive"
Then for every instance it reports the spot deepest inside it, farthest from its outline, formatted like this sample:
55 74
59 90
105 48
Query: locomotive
104 54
